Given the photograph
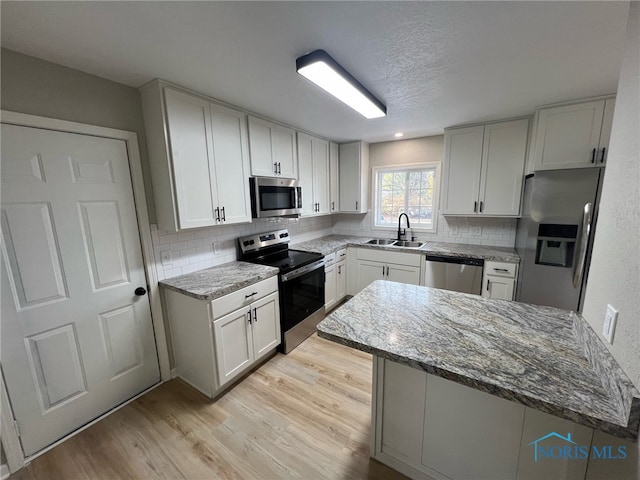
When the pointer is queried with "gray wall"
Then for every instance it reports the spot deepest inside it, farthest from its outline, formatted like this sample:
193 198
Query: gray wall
34 86
614 277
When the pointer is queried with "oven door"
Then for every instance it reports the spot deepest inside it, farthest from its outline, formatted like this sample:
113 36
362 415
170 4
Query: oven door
301 294
275 197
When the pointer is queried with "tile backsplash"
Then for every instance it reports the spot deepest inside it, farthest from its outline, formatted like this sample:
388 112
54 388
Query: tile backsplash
497 232
185 252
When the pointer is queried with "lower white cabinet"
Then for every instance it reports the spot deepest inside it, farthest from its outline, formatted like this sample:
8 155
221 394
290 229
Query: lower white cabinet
427 427
499 280
373 264
335 285
216 342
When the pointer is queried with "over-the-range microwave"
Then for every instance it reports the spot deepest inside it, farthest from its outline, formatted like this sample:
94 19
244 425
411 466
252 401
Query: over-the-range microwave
275 197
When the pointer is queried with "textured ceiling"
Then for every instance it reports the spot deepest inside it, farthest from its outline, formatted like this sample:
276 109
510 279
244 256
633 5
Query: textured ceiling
434 64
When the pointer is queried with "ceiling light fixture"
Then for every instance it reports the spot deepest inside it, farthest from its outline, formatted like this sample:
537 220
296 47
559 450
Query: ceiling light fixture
398 135
324 71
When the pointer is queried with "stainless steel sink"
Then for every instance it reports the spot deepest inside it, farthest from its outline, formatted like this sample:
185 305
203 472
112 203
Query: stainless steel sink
407 243
381 241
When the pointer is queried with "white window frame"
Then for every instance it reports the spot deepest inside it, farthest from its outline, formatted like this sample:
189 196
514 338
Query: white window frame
404 167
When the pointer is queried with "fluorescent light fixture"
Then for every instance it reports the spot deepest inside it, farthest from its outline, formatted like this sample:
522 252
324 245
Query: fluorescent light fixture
398 135
324 71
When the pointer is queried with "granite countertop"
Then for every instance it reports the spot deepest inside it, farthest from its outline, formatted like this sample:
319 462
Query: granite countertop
332 243
542 357
216 282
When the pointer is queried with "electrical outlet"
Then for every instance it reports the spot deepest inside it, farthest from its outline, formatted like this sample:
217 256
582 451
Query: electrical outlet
216 248
165 258
475 231
609 326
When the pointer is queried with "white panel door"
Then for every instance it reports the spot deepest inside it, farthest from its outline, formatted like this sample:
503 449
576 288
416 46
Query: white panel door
462 166
330 292
605 133
334 177
261 151
498 287
232 338
266 325
349 187
341 280
321 190
189 124
231 155
367 272
76 340
305 169
283 141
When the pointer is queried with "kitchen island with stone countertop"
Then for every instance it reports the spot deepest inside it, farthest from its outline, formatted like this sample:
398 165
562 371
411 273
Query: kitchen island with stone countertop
501 364
215 282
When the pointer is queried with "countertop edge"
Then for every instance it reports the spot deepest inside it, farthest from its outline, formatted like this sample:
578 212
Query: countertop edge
622 431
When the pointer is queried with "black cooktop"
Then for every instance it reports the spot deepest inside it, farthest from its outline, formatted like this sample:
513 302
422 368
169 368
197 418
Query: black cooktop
287 260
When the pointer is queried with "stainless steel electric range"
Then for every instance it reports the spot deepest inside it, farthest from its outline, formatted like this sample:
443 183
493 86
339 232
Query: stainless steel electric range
301 283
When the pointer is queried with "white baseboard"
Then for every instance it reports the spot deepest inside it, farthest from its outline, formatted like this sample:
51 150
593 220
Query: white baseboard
174 373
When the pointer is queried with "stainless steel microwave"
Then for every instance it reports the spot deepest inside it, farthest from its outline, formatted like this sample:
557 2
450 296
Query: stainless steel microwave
275 197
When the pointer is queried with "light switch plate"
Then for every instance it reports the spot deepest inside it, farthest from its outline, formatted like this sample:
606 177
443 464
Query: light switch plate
165 258
475 231
609 326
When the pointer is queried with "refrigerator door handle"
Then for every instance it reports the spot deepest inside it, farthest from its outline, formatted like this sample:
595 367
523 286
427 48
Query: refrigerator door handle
582 248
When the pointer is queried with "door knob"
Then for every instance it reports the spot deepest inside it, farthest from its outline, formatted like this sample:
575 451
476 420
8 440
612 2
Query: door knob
140 291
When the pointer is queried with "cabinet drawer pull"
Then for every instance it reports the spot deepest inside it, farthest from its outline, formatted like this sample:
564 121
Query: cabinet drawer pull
604 150
593 156
251 295
501 270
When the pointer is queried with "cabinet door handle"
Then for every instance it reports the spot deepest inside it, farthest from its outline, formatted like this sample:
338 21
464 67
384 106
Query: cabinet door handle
333 206
255 315
488 284
217 214
383 270
224 217
249 316
356 204
251 295
593 156
604 150
339 269
387 270
475 207
275 167
481 206
279 169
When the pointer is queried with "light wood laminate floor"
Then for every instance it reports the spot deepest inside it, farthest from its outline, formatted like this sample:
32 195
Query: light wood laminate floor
305 415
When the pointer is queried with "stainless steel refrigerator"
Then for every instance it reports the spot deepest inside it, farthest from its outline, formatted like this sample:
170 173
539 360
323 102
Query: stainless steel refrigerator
555 236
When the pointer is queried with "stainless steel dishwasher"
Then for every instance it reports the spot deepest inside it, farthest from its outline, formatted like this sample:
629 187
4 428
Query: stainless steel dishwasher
459 274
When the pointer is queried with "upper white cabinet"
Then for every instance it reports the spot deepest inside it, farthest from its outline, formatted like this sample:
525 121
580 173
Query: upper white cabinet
273 149
199 158
573 136
354 177
313 167
334 173
484 167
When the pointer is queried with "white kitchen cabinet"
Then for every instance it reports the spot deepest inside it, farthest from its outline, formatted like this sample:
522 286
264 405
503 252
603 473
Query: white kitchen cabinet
216 342
341 274
499 280
200 168
273 149
427 427
335 286
334 173
354 177
372 264
483 171
313 167
574 135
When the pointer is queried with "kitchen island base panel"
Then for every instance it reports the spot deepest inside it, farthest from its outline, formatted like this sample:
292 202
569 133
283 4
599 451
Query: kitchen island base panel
427 427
